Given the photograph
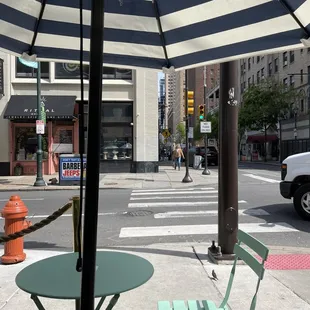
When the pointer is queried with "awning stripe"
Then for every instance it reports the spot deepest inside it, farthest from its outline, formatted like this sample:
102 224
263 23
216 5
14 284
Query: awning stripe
273 43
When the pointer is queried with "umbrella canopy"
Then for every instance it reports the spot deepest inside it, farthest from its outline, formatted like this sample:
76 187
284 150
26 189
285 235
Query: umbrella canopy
156 34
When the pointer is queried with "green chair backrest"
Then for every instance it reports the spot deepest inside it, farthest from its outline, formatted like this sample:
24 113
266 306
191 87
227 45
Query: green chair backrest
250 260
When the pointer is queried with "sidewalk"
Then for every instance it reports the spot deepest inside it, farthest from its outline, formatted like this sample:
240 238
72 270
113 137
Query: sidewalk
179 274
167 177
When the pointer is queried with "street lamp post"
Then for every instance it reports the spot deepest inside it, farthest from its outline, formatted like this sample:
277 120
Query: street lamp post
187 178
39 179
206 171
36 65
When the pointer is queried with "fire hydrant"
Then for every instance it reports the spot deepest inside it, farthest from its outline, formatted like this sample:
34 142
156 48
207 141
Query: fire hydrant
14 214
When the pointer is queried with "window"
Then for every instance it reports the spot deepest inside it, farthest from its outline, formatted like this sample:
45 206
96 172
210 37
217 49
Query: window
301 76
301 51
257 76
211 71
276 65
25 139
284 59
285 82
263 73
302 105
292 56
249 63
62 140
270 69
72 71
292 81
253 79
249 82
257 59
23 71
308 49
116 133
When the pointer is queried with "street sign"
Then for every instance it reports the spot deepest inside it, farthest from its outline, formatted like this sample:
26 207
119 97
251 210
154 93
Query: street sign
166 133
190 132
40 127
205 127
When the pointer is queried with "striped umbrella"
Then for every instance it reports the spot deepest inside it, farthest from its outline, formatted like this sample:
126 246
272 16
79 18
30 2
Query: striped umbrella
156 34
153 34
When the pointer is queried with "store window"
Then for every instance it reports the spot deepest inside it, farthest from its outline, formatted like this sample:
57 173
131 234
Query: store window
116 143
72 71
62 140
25 139
116 131
23 71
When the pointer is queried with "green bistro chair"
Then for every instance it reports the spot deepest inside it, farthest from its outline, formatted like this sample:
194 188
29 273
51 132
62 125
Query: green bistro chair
249 259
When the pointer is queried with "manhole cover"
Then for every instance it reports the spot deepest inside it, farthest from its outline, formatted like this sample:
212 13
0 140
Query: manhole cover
138 213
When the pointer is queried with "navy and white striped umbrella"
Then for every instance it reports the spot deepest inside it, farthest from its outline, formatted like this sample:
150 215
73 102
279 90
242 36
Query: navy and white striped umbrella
156 34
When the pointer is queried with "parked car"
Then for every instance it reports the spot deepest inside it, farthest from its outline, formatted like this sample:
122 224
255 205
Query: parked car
212 154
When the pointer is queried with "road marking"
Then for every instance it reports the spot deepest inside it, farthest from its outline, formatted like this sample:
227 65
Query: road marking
169 189
262 178
180 214
211 229
171 197
174 193
26 199
175 204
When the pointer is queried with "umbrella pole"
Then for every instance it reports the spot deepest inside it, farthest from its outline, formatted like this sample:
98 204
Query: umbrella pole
93 156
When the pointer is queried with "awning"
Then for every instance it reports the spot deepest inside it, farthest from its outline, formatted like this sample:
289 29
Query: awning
261 138
25 107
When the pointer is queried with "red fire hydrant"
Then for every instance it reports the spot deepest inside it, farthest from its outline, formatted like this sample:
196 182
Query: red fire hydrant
14 214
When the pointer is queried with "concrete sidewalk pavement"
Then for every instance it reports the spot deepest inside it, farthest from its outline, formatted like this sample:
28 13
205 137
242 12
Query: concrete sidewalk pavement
180 274
167 177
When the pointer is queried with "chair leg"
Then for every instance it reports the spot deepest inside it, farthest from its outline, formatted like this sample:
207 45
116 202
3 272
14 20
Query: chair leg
37 301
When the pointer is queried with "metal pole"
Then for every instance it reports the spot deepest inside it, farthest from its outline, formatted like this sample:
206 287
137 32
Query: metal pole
187 178
93 156
39 179
228 167
206 171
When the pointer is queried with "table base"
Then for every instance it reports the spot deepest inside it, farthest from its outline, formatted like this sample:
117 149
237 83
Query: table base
110 306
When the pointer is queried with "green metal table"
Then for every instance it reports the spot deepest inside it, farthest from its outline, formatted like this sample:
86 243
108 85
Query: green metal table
56 277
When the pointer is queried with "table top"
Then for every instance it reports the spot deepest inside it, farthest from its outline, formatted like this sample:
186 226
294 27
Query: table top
56 277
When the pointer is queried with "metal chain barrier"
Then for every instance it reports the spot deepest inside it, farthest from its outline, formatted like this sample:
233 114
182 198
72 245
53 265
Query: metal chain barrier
38 225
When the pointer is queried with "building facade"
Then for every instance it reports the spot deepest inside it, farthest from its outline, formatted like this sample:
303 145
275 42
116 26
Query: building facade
175 99
292 68
129 121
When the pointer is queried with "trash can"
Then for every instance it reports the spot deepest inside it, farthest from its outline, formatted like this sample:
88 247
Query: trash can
197 161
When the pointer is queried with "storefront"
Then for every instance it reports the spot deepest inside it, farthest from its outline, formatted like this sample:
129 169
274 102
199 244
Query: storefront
61 132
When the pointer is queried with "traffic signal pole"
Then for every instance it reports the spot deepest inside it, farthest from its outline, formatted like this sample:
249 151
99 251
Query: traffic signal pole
187 178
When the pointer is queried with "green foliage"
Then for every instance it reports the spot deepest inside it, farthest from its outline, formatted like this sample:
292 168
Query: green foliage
180 133
264 104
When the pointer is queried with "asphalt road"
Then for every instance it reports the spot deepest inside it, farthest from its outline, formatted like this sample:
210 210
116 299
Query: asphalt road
143 217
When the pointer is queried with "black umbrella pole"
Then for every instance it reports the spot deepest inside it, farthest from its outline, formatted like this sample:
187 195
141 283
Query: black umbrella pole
93 157
228 167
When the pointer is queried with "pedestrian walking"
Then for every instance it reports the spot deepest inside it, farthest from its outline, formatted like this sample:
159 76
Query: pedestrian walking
177 156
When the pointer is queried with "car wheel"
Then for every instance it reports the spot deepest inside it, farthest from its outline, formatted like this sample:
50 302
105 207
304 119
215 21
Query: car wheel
302 201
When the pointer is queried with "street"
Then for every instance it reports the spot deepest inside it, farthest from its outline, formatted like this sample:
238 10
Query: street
146 216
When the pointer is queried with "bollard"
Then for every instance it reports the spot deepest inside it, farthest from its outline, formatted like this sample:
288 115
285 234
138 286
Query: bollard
14 214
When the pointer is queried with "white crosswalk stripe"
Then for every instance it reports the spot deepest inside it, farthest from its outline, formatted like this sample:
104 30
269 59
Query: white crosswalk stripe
174 204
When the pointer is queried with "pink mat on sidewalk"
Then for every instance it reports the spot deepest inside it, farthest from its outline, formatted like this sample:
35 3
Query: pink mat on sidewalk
288 262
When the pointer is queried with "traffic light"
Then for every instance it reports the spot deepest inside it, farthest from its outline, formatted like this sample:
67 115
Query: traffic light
201 112
190 102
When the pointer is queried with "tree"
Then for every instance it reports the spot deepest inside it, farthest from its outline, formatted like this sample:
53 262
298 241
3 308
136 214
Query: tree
180 133
264 104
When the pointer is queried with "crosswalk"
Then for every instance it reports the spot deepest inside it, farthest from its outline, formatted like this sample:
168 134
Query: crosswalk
192 211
